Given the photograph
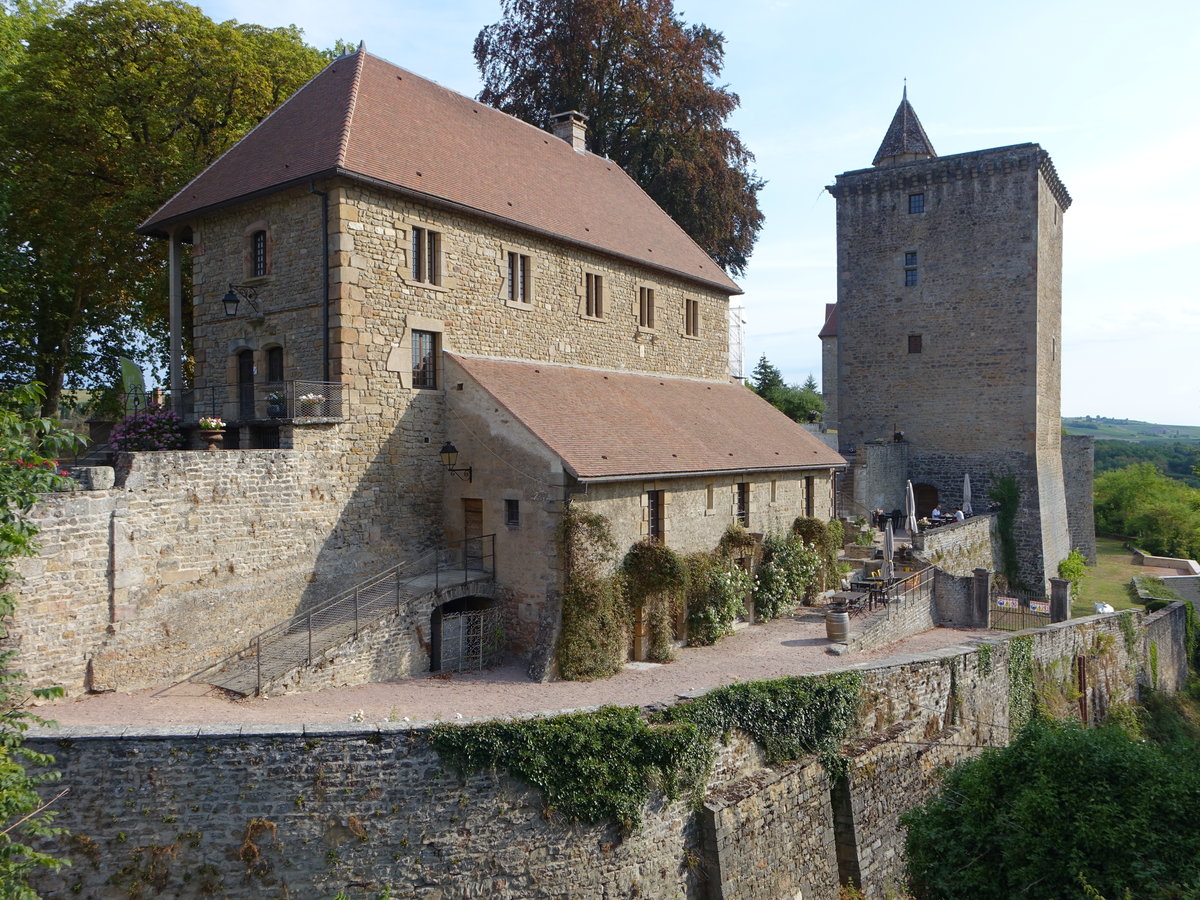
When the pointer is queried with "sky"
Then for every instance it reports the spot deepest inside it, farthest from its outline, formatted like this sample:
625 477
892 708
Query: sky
1109 89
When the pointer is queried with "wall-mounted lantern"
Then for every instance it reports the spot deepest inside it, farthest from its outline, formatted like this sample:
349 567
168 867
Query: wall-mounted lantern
449 454
237 293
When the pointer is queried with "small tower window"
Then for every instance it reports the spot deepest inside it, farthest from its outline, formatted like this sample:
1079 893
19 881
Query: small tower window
910 268
916 203
258 249
914 343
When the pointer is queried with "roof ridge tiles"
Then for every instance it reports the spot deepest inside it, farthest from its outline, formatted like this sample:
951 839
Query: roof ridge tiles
352 103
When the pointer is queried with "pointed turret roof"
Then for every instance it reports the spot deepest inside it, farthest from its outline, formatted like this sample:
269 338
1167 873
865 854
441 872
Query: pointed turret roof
366 119
905 140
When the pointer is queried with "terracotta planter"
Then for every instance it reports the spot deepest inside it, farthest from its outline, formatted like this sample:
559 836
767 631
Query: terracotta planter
212 438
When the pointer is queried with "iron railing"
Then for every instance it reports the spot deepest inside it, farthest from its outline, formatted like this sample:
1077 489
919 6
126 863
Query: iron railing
290 400
904 589
297 641
1016 610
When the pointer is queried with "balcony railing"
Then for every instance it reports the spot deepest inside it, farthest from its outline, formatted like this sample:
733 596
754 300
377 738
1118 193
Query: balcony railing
296 401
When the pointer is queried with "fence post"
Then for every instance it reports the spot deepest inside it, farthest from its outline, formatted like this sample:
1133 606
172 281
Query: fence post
258 666
1060 599
981 590
356 611
310 638
396 575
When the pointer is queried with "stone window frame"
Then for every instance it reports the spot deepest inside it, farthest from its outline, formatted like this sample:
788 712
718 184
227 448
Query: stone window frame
691 319
741 503
406 230
249 238
424 348
916 203
593 296
399 358
508 251
644 302
655 501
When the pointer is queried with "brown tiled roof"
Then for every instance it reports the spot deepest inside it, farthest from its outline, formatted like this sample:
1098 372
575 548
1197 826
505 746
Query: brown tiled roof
829 329
905 134
606 425
363 117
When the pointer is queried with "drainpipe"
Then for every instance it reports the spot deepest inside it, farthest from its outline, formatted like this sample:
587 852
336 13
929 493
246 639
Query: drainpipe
312 189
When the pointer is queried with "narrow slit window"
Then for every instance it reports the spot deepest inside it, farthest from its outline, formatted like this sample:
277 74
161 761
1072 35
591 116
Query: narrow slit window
259 253
519 282
426 255
691 318
594 301
646 307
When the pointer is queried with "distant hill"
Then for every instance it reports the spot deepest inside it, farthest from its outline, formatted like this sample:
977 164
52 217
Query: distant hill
1104 428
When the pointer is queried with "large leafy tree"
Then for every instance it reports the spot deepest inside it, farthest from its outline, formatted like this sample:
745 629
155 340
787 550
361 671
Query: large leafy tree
1063 812
106 111
647 82
802 403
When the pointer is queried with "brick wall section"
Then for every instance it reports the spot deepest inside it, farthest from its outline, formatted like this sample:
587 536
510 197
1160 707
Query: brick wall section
360 807
1079 472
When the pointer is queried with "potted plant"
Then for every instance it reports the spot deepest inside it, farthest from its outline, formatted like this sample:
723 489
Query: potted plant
310 404
276 404
212 430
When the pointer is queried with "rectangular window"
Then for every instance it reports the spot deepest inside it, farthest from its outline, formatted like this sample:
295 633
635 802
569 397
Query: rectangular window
774 490
259 250
426 256
274 364
519 283
809 485
914 343
512 513
424 359
654 515
910 258
646 307
594 302
708 497
916 203
743 504
910 277
691 318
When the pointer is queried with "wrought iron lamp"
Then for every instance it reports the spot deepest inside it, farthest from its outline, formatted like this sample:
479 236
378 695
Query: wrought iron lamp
449 454
237 293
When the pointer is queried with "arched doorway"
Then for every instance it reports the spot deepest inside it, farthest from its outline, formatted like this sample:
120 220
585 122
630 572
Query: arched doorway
467 634
926 496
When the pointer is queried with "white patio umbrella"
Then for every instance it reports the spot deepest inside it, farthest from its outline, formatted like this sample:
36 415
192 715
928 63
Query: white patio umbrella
889 551
966 507
910 511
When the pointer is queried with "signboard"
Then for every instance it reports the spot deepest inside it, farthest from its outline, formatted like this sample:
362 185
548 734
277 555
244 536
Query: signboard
1040 606
1008 602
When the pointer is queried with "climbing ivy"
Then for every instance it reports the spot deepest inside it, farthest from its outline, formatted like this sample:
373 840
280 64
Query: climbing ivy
601 766
716 596
1020 681
1125 620
1007 493
595 617
985 658
655 584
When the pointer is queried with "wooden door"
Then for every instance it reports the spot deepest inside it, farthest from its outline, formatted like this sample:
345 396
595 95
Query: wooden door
473 530
245 364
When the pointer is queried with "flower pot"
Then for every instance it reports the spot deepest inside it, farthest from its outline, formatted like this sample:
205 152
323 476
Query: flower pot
212 438
276 410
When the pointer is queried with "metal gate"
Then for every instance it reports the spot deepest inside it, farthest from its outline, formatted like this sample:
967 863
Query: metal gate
1016 610
472 640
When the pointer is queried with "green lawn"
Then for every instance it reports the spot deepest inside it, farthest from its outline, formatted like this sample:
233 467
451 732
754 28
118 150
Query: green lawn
1106 581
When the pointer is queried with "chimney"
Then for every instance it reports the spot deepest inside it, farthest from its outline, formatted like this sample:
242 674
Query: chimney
571 127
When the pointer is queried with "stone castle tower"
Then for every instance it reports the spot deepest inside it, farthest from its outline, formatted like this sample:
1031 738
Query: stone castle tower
945 341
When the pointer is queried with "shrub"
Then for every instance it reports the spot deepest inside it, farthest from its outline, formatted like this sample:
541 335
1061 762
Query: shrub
655 581
595 617
1073 568
716 596
154 428
788 569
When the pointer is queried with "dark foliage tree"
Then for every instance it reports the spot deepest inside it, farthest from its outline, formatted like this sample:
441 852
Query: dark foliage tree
106 111
1176 459
1140 502
647 82
1063 812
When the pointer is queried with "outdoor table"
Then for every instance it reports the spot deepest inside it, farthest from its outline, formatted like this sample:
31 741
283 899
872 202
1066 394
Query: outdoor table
851 601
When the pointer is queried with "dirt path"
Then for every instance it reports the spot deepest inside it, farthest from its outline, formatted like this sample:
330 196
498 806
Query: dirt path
790 646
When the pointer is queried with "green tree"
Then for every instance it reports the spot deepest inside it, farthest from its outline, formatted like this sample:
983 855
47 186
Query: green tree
648 83
1160 513
1063 812
801 403
27 469
108 110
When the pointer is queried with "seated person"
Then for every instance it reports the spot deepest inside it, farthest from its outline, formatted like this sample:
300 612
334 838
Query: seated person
936 515
958 514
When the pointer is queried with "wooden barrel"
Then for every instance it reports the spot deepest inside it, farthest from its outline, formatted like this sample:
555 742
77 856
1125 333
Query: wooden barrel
837 624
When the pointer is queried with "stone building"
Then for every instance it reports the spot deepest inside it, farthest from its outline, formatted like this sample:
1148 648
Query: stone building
383 267
943 354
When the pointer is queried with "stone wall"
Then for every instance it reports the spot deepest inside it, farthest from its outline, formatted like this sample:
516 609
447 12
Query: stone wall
189 556
962 547
253 811
880 473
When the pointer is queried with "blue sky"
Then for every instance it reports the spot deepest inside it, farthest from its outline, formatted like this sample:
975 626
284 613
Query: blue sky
1109 93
